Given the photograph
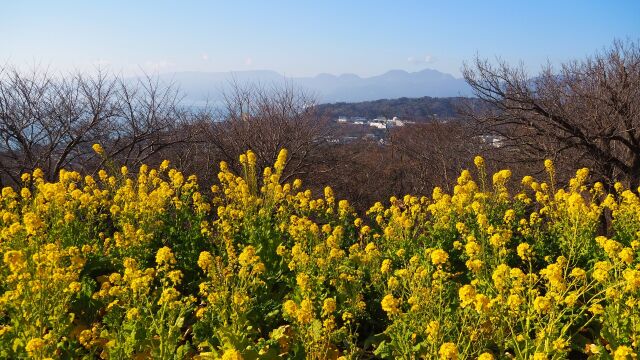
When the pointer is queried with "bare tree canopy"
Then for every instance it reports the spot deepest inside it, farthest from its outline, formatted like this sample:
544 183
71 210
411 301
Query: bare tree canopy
266 119
50 122
588 111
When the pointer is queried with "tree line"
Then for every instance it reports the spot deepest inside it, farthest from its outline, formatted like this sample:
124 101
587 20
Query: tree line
421 109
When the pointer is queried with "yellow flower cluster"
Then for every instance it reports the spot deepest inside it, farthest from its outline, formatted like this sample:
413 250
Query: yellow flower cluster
140 263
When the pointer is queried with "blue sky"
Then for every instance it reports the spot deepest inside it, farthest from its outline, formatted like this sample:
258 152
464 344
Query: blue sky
303 38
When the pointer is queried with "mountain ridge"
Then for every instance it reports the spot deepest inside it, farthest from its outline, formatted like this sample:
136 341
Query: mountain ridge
201 86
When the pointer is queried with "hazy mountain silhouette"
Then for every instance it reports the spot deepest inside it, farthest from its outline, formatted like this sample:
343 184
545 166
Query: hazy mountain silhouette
201 86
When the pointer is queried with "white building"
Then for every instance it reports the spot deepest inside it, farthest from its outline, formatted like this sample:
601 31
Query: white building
397 122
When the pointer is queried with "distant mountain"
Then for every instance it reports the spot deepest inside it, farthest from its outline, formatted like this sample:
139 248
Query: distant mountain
202 86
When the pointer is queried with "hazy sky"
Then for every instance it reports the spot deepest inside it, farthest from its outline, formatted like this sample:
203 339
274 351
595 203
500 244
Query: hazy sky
301 38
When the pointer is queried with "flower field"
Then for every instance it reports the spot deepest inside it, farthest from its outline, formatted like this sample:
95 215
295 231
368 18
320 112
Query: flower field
144 264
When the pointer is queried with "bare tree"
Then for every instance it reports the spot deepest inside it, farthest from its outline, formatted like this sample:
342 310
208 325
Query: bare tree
44 120
432 154
411 159
149 119
267 119
50 122
586 112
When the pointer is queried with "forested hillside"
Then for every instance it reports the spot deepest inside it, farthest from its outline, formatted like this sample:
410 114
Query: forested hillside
414 109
